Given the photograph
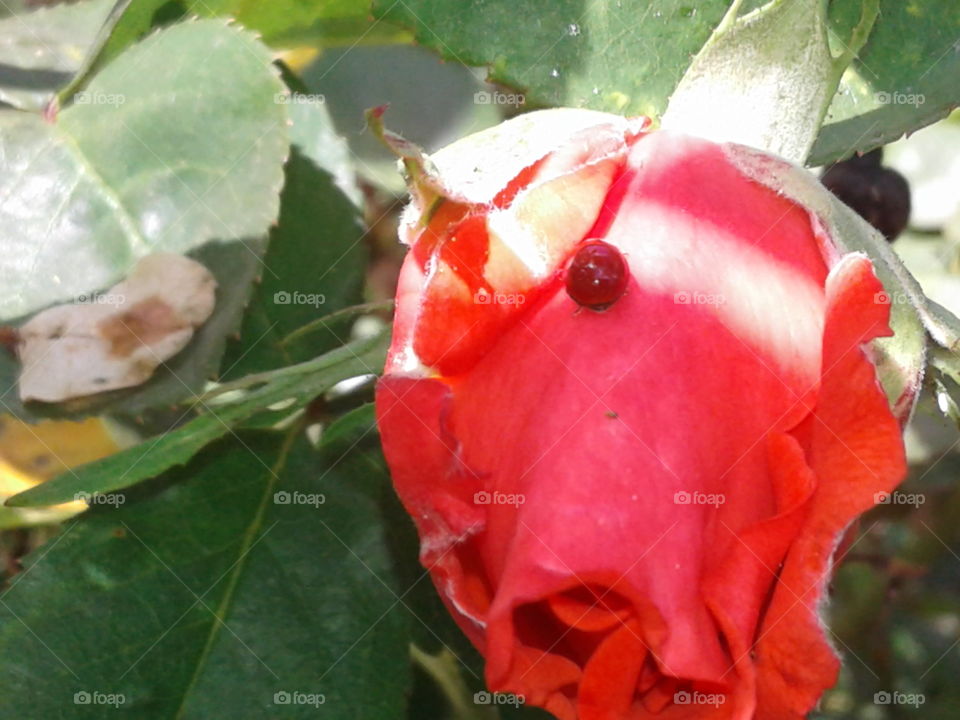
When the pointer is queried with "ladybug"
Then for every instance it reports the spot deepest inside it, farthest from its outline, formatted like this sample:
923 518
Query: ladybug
597 275
878 194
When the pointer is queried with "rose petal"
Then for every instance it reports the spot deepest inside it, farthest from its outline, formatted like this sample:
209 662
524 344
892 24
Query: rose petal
856 451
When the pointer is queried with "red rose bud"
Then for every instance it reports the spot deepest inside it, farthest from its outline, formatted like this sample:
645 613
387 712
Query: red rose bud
633 512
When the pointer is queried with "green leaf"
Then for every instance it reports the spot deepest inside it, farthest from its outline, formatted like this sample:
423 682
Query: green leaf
905 77
204 594
314 22
312 131
351 427
299 383
629 56
625 56
279 22
352 80
138 19
944 329
318 193
438 639
179 142
41 50
315 262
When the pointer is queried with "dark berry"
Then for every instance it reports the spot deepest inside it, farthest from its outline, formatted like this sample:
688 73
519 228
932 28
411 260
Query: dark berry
597 275
879 195
872 159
